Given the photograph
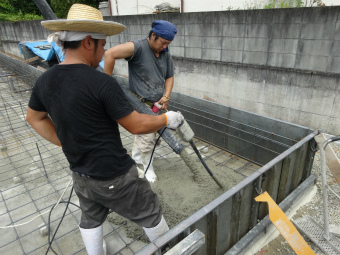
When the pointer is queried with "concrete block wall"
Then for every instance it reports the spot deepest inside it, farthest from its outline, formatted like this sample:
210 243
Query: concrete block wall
299 38
281 63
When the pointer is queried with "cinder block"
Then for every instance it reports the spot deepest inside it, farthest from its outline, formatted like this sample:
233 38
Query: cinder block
193 41
333 65
193 30
281 60
313 63
193 53
180 30
254 58
260 16
218 17
317 31
135 37
286 31
236 44
211 29
337 32
258 30
234 30
176 51
212 42
194 17
234 17
285 46
211 54
232 56
256 44
335 49
179 41
315 47
145 29
325 15
288 15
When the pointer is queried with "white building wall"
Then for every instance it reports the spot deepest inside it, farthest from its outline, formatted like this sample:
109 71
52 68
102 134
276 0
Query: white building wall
132 7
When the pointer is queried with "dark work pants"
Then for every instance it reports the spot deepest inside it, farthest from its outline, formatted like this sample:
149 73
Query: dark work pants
127 195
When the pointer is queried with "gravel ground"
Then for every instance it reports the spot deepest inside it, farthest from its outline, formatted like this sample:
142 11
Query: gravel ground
313 209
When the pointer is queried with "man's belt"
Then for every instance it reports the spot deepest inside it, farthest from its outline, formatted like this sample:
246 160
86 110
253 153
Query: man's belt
143 100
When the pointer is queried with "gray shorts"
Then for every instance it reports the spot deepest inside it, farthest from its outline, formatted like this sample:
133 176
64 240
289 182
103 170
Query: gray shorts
127 195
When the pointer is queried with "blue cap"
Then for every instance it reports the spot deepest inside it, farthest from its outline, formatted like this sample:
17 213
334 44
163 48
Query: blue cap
164 29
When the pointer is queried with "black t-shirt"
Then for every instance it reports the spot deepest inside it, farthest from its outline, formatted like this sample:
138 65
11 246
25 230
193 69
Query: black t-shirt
84 105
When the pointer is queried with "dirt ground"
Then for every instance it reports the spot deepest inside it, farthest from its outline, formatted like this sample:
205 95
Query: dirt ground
313 209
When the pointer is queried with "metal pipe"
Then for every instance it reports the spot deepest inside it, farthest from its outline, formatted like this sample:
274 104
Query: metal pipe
110 7
45 9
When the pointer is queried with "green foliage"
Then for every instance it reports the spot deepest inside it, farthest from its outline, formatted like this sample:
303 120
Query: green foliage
61 7
19 16
6 7
16 10
283 4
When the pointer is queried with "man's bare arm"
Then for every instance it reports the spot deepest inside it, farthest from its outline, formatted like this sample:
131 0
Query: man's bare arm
137 123
164 101
118 52
44 126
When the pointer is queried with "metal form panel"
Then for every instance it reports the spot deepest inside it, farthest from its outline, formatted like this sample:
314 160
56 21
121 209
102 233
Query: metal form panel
258 139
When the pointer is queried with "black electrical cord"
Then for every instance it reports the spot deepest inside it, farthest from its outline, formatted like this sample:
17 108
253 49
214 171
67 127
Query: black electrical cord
49 222
154 149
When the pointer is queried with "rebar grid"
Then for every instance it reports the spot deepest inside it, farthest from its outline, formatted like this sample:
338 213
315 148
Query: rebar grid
27 191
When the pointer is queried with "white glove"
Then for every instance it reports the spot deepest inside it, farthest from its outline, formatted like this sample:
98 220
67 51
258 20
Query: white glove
174 119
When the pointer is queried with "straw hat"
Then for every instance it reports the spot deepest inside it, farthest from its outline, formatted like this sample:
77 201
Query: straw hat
84 18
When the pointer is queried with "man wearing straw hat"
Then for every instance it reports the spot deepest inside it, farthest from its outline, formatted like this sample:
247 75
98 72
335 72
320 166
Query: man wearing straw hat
151 78
76 107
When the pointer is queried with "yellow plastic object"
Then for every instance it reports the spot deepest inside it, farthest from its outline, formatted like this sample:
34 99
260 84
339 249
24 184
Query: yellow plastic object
285 226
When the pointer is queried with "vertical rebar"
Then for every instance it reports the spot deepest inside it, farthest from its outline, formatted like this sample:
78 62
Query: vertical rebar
23 113
42 160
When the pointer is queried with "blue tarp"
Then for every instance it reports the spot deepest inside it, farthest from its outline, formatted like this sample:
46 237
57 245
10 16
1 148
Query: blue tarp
46 54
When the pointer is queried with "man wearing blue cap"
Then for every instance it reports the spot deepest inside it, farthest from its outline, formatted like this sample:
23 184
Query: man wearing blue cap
151 78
